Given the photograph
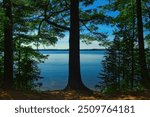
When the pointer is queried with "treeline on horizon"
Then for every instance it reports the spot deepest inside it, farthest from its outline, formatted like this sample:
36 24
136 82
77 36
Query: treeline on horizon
68 49
23 23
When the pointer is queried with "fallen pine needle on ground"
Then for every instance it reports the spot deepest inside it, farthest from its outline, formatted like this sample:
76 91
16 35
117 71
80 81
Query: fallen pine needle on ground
71 95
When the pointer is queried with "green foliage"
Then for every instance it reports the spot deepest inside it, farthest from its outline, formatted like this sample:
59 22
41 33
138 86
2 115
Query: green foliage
117 74
43 22
26 68
26 31
121 67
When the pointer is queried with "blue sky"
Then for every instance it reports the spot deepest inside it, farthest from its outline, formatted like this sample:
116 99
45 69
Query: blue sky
64 43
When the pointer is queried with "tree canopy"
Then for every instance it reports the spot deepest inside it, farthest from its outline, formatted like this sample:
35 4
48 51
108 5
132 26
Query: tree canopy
28 23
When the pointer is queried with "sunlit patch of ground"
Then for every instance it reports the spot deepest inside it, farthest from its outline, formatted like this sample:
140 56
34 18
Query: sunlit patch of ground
70 95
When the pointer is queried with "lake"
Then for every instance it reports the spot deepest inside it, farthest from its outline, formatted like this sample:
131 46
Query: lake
55 68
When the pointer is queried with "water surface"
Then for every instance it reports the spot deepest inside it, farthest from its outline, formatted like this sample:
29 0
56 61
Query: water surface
55 69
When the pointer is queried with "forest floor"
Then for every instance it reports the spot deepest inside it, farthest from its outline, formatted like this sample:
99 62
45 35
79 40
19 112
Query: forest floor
71 95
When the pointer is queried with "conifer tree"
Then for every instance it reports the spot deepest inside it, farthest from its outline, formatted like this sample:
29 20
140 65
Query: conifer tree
78 19
142 56
8 45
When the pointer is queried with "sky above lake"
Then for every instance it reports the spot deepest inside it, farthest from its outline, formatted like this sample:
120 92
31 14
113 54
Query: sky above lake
64 43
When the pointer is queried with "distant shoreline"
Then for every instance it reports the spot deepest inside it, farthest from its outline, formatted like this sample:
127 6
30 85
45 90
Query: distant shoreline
68 49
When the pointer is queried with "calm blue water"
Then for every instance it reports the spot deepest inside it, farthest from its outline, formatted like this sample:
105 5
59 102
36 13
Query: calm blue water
55 69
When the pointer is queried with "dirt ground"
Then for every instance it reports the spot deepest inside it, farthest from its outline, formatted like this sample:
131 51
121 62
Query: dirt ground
71 95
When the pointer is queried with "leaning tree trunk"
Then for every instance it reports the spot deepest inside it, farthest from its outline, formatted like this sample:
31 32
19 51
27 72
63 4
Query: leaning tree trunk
142 56
74 81
8 45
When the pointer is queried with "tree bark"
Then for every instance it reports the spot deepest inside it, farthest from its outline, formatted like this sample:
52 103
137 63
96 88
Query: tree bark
74 81
8 45
142 56
132 45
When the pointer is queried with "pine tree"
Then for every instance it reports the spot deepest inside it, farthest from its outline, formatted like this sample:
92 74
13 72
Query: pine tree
129 59
8 45
142 56
19 32
87 19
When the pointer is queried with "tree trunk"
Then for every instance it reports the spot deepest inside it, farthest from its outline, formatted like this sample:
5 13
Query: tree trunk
142 57
74 81
8 45
132 45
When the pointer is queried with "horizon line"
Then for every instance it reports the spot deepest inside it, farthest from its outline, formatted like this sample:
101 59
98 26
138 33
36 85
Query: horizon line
68 49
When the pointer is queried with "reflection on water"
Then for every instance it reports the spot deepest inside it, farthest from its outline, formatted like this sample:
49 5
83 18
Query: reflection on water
55 69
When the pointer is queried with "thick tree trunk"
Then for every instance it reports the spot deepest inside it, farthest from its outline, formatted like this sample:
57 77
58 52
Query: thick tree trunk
74 81
142 57
8 46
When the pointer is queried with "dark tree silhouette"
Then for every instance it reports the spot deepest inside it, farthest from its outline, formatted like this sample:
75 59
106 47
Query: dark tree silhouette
142 57
74 81
8 45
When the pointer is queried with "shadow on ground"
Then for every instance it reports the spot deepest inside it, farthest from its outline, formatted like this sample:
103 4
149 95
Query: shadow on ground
71 95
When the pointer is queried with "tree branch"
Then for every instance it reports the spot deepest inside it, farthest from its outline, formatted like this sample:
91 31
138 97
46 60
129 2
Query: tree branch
53 23
57 25
39 28
94 33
